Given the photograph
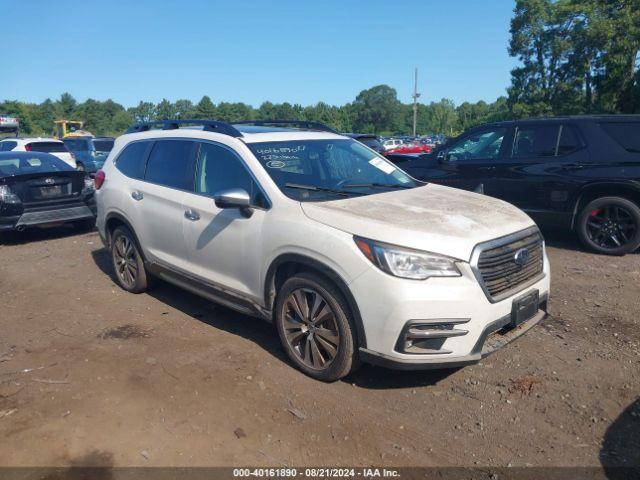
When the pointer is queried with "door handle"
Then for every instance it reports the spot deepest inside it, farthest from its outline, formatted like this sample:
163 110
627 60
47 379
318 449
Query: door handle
191 215
137 196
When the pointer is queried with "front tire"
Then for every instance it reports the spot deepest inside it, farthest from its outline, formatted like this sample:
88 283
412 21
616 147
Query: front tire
128 265
610 225
316 327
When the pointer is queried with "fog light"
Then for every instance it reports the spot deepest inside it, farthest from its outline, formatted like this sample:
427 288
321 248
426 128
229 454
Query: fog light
428 336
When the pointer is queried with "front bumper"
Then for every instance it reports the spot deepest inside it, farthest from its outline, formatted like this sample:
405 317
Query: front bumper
490 340
388 305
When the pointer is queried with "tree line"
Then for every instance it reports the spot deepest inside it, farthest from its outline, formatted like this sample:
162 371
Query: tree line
375 110
575 56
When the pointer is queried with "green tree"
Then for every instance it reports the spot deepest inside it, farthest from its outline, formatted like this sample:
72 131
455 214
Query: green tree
376 109
205 109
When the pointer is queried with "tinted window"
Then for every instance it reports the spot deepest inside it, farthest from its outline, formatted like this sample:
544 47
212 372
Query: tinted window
76 145
7 146
626 134
131 159
569 140
49 147
25 164
103 145
169 164
536 141
372 143
220 169
484 144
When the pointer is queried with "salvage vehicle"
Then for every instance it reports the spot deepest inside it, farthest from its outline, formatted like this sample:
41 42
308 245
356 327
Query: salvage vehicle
351 258
39 189
575 173
90 152
47 145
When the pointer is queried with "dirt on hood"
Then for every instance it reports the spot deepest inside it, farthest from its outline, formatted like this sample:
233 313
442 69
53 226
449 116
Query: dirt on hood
434 218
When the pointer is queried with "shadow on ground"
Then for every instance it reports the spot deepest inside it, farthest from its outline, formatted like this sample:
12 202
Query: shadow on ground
40 234
264 334
620 451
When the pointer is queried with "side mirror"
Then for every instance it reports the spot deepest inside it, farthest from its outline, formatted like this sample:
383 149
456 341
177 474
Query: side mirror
234 198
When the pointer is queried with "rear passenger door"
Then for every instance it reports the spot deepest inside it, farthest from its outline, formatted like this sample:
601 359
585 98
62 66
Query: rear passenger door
537 175
168 175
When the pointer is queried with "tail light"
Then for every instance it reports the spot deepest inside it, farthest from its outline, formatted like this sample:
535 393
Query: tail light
99 178
27 147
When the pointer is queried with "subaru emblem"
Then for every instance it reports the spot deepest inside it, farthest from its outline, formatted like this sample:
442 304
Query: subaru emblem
521 257
49 181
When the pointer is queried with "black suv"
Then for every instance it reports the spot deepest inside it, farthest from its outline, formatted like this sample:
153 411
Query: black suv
580 173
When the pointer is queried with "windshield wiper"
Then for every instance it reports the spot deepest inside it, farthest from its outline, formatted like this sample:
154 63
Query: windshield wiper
376 185
314 188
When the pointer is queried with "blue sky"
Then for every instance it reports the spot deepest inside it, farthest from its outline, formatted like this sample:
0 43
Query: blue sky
301 51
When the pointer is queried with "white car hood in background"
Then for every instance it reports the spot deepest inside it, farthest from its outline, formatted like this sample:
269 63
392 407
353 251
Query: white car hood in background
433 218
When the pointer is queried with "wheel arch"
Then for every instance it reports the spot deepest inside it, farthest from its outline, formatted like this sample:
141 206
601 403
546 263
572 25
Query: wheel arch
625 189
289 263
113 221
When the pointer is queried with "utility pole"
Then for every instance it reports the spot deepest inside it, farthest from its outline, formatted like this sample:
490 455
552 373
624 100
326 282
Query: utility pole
415 103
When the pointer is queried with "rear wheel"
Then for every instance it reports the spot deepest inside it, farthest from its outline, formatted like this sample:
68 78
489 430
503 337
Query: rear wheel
610 225
315 327
127 261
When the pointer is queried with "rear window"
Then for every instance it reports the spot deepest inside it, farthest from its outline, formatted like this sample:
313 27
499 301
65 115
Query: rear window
131 159
371 142
169 164
24 164
7 146
47 147
626 134
103 145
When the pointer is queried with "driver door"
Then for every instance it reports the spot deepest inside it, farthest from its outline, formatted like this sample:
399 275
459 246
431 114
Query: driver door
225 246
470 163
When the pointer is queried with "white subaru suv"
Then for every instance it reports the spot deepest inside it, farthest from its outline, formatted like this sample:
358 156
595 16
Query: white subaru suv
351 258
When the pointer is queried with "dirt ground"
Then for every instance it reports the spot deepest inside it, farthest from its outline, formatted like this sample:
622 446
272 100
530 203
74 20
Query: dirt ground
92 375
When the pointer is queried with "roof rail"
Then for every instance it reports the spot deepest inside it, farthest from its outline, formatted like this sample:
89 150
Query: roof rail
207 125
302 124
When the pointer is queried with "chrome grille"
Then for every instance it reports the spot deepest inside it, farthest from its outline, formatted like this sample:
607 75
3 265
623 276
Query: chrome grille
496 267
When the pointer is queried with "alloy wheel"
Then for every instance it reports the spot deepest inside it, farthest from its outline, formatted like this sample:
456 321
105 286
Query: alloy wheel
124 256
611 226
310 328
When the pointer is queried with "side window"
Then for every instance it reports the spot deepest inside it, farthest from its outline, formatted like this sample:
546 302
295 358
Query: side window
484 144
536 141
569 140
7 146
169 164
131 159
221 169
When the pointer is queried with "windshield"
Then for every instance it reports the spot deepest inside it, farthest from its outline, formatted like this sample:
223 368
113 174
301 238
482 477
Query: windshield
316 170
25 164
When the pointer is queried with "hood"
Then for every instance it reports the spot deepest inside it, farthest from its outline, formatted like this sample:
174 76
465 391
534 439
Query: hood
432 218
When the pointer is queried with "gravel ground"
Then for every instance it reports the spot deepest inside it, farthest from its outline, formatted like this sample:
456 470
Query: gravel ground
92 375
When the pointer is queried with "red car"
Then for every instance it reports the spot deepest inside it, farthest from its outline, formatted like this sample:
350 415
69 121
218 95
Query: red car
413 147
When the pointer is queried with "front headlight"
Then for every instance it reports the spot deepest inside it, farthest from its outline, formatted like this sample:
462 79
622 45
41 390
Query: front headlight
407 263
89 184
